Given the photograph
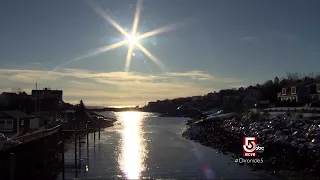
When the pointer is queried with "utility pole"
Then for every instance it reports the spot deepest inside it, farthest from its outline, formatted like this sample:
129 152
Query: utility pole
36 98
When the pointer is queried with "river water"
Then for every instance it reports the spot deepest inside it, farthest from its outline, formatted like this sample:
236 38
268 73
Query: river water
142 145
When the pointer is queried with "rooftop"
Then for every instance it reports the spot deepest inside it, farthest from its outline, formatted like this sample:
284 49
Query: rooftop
15 114
9 94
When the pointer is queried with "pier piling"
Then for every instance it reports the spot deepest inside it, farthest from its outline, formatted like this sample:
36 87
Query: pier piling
87 167
62 159
87 140
75 155
12 166
94 137
79 152
99 134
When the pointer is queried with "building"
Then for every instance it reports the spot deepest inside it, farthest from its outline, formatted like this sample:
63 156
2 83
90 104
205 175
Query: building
289 93
253 92
24 95
14 122
249 102
312 92
47 93
304 92
8 99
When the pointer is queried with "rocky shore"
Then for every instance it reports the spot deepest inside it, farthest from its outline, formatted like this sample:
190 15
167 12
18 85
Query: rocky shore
291 143
100 121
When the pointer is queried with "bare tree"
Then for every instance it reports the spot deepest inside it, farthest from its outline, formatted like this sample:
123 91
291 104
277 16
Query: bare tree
16 90
311 75
293 76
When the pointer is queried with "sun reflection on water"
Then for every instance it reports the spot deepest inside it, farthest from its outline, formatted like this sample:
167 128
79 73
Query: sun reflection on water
132 156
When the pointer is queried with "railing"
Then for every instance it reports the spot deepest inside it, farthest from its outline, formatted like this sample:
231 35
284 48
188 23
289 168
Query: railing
32 136
39 134
294 109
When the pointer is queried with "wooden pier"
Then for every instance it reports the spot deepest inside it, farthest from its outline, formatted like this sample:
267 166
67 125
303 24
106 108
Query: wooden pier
34 151
29 137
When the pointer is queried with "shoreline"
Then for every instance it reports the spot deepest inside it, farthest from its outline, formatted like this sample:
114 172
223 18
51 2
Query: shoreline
281 158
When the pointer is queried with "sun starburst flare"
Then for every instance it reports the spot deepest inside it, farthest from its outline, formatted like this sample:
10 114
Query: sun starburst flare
132 39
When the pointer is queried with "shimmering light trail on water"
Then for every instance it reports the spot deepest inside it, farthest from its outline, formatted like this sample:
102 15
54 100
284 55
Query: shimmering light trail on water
132 154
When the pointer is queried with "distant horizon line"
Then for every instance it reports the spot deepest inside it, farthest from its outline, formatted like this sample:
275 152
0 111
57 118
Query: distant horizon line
110 106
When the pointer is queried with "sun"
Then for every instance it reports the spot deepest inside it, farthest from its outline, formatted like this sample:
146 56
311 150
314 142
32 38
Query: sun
132 39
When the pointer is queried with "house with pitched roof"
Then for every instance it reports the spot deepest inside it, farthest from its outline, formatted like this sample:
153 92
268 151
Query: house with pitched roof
304 92
14 122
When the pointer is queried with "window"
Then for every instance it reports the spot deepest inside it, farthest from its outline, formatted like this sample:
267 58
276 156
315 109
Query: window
9 124
294 99
293 90
284 91
307 89
318 87
2 124
6 124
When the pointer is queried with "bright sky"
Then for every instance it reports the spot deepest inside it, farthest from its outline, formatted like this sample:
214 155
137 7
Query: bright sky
215 45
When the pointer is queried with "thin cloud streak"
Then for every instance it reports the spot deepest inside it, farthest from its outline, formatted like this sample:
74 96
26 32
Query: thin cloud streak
36 63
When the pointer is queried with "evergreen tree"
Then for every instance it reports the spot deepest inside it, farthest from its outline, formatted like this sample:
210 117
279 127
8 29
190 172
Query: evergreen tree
81 105
276 80
81 114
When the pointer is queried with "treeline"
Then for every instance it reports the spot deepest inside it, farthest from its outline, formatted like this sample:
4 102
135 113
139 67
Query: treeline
268 90
167 105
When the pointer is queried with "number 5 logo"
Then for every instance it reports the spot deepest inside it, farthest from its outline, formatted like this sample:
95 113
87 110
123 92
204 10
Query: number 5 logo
249 144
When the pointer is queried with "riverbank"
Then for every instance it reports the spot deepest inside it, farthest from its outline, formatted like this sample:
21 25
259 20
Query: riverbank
291 143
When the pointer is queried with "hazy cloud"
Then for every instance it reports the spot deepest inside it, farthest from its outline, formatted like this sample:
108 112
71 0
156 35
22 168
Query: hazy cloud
116 88
36 63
